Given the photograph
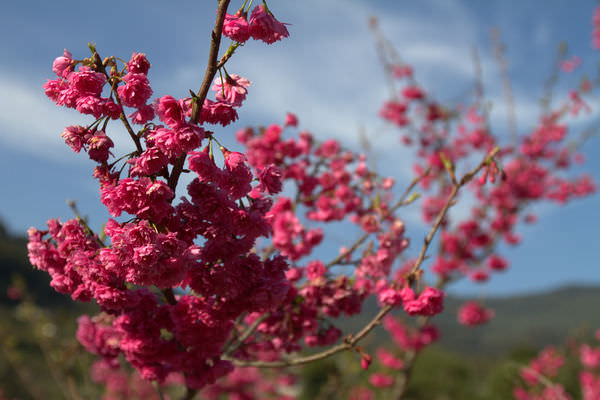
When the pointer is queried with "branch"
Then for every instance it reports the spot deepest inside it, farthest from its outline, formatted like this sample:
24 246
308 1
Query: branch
550 84
82 220
113 84
209 75
240 341
508 93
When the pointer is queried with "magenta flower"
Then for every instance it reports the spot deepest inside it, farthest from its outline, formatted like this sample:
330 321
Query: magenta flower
138 64
63 65
264 26
168 110
315 270
291 120
236 27
136 90
232 89
472 313
381 380
270 179
218 113
87 82
429 303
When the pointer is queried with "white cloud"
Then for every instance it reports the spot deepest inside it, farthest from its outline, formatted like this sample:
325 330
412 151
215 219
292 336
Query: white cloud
28 120
32 123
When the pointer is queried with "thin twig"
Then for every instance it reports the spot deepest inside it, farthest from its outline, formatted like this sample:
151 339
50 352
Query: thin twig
73 205
113 83
550 84
209 75
240 341
508 92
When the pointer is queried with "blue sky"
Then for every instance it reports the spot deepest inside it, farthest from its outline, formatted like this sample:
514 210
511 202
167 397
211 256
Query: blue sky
326 72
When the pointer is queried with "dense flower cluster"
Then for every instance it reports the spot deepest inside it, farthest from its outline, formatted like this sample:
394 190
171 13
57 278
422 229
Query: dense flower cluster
540 376
199 246
261 25
229 273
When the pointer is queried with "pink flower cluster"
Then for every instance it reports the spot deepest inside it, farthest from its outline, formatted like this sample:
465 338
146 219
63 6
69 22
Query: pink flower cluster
529 172
409 338
472 313
201 244
262 25
544 367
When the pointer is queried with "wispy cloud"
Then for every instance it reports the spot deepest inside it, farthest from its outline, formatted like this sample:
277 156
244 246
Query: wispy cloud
32 123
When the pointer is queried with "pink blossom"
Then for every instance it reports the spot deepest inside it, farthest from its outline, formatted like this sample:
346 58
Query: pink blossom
149 162
270 179
329 148
112 109
218 113
596 32
291 120
361 394
63 65
237 176
138 64
168 110
479 275
53 89
315 270
97 338
389 360
590 357
99 147
75 137
142 115
203 165
380 380
365 361
90 105
429 303
264 26
166 141
390 297
395 111
236 27
294 274
188 136
87 82
232 89
497 263
136 90
472 313
413 93
402 71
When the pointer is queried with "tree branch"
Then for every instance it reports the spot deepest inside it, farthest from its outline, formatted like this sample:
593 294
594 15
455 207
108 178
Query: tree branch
209 75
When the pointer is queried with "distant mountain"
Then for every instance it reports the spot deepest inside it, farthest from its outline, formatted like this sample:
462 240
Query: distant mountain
536 320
